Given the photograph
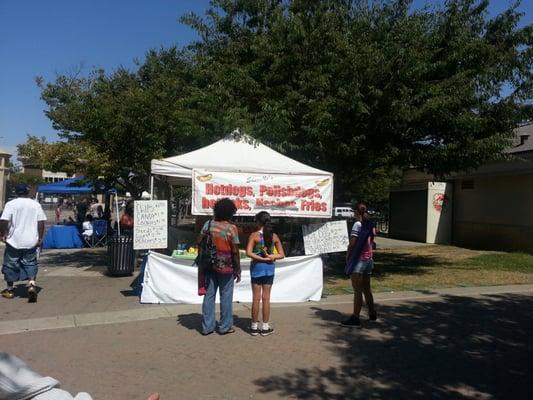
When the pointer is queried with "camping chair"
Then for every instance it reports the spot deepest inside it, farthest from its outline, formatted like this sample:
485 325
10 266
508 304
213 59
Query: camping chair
99 236
99 232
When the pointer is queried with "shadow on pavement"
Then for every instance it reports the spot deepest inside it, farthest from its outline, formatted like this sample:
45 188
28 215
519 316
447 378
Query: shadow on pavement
191 321
457 348
77 258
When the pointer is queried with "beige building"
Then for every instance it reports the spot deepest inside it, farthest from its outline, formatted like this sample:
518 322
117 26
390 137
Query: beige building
491 208
4 175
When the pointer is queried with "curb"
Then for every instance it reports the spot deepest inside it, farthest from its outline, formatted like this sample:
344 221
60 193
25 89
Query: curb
171 311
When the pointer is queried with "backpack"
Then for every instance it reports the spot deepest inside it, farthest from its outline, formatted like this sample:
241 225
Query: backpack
367 230
207 256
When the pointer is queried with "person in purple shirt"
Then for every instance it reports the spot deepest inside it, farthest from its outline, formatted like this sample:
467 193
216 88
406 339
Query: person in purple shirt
359 265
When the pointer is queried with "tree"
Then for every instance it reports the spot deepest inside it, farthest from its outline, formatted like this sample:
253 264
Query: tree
365 89
113 125
359 88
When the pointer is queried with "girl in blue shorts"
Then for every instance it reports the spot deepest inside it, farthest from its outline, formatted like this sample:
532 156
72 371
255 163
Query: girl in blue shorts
264 248
360 263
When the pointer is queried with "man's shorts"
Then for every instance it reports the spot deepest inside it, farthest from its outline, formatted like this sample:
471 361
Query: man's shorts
263 280
19 264
364 267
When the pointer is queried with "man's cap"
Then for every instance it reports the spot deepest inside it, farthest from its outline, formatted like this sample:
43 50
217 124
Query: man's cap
21 188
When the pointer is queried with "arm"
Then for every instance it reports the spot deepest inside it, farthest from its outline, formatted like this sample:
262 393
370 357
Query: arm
279 248
3 229
40 229
236 261
250 249
351 247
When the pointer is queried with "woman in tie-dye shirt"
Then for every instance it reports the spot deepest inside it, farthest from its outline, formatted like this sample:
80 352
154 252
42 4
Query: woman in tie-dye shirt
225 271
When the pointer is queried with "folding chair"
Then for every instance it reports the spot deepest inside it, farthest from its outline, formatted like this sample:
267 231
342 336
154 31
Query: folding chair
99 237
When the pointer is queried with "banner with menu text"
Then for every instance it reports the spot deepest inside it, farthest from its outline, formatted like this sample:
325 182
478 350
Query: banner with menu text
286 195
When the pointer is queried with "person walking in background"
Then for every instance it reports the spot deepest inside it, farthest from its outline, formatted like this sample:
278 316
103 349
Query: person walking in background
81 210
126 220
59 210
359 264
226 269
264 248
22 228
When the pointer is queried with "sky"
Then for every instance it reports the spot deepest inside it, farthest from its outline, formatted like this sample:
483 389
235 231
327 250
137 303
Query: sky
46 38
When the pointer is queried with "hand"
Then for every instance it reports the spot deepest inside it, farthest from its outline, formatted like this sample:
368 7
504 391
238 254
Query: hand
154 396
237 276
39 242
272 257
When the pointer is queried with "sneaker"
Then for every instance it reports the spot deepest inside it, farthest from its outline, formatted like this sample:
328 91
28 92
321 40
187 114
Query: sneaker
254 331
32 294
353 321
8 293
267 331
372 316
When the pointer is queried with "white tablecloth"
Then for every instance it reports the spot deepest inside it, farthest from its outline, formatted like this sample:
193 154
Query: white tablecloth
169 280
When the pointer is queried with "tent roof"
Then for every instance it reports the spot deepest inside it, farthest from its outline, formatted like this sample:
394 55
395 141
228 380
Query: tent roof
235 153
67 186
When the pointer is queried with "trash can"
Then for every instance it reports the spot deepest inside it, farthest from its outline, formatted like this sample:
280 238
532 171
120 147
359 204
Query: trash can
121 256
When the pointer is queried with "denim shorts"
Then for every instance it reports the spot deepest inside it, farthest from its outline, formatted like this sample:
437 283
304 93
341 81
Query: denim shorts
263 280
364 267
19 264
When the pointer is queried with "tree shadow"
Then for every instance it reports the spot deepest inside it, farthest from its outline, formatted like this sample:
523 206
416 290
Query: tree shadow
456 348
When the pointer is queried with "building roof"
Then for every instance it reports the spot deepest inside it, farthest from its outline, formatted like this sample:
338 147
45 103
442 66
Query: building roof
4 151
523 140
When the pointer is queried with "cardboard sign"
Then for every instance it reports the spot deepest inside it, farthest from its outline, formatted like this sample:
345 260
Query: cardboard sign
280 194
329 237
150 229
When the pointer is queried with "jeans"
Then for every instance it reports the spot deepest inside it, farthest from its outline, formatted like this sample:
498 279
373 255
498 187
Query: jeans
19 264
225 283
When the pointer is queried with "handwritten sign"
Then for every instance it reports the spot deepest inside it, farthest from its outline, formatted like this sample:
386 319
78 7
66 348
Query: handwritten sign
328 237
150 230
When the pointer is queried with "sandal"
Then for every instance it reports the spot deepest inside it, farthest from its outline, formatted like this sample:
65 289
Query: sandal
230 330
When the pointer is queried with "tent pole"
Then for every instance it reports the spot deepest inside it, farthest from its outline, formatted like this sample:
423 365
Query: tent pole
151 187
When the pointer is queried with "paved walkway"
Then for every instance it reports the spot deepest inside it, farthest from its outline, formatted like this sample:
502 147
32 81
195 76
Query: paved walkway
88 332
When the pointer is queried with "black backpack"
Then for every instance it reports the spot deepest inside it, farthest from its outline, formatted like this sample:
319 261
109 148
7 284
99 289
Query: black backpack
207 255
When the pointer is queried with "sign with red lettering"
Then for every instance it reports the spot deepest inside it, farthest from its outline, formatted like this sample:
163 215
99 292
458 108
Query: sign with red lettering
281 195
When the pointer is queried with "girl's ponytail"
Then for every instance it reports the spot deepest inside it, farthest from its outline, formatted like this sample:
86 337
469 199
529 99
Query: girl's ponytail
263 219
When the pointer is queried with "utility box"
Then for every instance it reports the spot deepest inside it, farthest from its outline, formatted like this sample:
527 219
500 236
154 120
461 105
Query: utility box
422 213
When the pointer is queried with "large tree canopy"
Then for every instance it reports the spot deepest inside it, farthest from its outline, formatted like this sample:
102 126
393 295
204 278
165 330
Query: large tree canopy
355 87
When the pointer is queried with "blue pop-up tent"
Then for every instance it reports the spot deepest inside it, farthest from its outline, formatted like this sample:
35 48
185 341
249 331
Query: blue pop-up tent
72 186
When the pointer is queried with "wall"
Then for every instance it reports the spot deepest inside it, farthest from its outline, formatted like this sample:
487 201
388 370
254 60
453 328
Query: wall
408 215
439 213
496 213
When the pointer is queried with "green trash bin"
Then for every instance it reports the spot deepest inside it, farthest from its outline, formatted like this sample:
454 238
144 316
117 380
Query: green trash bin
121 256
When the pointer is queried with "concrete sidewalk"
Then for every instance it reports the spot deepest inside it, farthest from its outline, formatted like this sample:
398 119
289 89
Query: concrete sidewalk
89 332
432 346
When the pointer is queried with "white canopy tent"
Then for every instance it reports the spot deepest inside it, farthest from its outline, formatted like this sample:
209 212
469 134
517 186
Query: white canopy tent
235 153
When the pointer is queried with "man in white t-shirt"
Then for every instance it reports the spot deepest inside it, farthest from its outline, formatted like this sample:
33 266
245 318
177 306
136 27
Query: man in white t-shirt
22 228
